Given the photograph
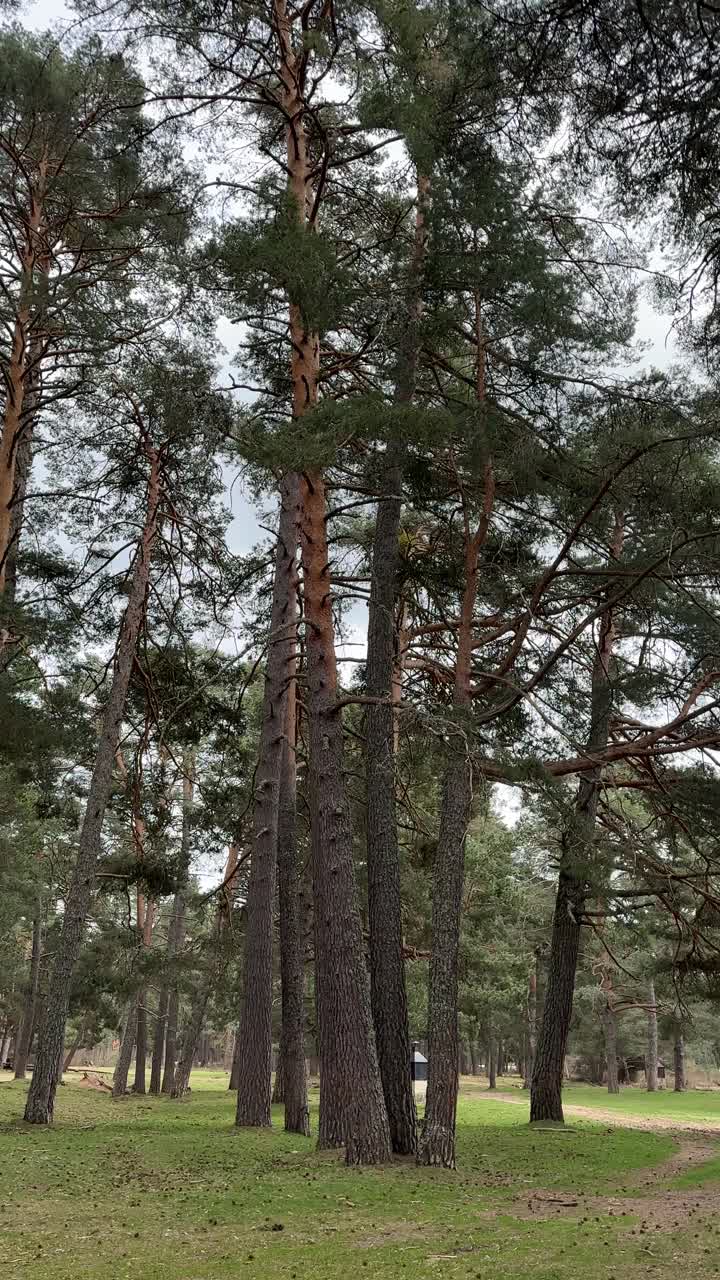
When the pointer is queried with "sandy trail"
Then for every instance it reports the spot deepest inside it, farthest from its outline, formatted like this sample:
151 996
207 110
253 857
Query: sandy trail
621 1120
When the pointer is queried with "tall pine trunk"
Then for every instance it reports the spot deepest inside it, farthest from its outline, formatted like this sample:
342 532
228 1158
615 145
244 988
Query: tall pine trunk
387 965
255 1029
25 1034
577 875
291 1062
176 932
651 1066
41 1096
145 924
350 1084
437 1142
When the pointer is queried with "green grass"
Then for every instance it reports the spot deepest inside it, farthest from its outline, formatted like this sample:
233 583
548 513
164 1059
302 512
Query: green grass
151 1188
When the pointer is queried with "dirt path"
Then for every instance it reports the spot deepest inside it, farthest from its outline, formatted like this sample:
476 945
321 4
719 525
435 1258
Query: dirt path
655 1124
645 1198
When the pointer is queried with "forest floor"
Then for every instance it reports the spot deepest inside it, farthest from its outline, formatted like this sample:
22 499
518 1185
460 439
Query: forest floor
152 1188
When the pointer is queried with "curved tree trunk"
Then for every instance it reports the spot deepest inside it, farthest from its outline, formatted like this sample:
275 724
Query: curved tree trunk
25 1034
48 1060
76 1044
255 1029
291 1061
651 1066
127 1044
577 875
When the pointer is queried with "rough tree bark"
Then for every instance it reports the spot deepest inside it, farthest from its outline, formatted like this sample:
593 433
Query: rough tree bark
437 1142
651 1065
5 1044
576 875
127 1044
41 1096
255 1028
278 1089
25 1033
387 966
291 1061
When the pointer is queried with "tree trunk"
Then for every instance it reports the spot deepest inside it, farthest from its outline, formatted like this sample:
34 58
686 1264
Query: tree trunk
610 1025
145 926
679 1057
25 1034
651 1066
255 1030
348 1059
76 1044
291 1061
492 1062
127 1044
472 1046
191 1039
577 874
278 1090
41 1096
159 1042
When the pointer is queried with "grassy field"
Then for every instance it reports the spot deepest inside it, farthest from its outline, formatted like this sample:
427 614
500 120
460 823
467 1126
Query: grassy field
698 1105
152 1188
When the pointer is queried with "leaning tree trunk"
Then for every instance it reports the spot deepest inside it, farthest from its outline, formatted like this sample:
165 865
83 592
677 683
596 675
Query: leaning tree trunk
255 1030
191 1039
679 1060
41 1096
159 1042
577 874
127 1044
291 1061
25 1034
651 1066
76 1044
